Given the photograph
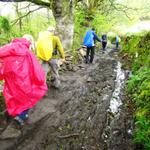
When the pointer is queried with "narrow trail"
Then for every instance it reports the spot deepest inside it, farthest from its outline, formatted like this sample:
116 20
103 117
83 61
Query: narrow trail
75 116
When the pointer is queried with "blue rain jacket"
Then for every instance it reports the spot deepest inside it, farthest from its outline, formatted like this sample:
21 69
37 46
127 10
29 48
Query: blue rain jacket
89 38
118 39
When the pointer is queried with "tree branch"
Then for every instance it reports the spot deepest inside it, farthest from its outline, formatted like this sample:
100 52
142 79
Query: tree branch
29 4
16 20
121 8
37 2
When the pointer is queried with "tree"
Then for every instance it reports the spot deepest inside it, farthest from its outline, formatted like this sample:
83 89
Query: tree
18 15
37 2
4 24
63 11
63 14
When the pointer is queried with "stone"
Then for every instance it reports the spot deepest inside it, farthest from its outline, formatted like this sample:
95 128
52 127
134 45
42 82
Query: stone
10 132
90 79
81 66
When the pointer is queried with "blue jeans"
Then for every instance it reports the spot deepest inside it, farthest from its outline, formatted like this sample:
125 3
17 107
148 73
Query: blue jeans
23 115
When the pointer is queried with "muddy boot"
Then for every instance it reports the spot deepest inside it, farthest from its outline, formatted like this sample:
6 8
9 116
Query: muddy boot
19 121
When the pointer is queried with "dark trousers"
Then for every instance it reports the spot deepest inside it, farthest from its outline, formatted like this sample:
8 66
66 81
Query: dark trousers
104 45
55 66
90 52
117 45
24 114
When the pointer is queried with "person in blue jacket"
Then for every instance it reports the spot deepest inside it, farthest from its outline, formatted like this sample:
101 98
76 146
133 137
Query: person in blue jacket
117 41
89 40
104 42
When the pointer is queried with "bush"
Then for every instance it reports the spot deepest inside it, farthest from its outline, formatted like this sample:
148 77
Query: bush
139 85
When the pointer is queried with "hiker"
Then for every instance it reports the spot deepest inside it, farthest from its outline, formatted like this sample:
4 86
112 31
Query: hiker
31 40
47 46
89 40
24 78
104 42
117 41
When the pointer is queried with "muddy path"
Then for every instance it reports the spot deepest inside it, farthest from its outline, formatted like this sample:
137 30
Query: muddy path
76 116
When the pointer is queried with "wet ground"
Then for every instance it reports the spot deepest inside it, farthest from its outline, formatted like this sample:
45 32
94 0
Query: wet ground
77 116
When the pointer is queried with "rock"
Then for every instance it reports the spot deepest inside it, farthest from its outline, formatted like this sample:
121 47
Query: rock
69 67
82 52
116 132
67 55
67 62
81 66
69 58
90 79
63 68
75 68
10 132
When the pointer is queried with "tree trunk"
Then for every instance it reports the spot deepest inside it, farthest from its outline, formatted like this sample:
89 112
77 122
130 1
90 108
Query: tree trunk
63 13
18 15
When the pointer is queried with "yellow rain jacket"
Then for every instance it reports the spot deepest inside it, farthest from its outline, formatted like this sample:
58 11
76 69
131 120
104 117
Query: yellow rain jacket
46 44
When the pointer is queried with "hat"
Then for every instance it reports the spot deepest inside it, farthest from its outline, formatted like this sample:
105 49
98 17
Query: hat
51 29
28 37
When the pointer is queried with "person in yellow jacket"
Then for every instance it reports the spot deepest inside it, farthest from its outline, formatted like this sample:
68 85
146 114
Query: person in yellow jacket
47 44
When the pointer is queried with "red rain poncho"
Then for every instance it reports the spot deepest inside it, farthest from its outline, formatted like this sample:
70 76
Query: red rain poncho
24 78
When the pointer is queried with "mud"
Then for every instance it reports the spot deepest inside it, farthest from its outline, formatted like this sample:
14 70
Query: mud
75 116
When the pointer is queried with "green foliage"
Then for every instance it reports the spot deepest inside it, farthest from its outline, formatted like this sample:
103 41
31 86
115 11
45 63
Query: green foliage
4 30
4 24
139 85
139 89
85 20
112 39
80 27
138 49
142 132
100 23
31 26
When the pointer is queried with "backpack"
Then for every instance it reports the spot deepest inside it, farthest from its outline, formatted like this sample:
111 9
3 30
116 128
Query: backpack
45 46
104 37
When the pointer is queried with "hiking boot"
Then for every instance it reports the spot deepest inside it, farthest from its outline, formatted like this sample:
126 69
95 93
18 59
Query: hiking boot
26 116
87 62
19 121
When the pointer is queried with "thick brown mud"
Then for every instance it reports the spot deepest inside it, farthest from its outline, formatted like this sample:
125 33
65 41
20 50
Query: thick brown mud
75 117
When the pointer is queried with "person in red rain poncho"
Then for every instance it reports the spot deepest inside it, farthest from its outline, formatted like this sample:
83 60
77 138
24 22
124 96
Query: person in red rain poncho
24 78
